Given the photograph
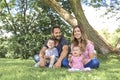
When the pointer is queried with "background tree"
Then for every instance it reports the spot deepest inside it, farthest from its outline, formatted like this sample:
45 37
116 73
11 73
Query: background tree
100 44
29 23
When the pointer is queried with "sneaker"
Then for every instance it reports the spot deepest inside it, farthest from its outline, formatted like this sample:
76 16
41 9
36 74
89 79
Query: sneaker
37 64
73 70
87 69
50 66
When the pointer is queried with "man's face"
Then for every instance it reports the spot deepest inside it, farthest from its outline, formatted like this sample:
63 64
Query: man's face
56 34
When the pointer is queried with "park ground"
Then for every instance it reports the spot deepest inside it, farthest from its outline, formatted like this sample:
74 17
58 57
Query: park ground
20 69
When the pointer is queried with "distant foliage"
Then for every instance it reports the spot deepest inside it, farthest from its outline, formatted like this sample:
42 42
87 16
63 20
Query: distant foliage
111 38
30 24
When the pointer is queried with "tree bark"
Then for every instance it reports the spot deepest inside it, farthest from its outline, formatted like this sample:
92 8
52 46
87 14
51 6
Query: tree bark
118 44
100 44
117 49
62 12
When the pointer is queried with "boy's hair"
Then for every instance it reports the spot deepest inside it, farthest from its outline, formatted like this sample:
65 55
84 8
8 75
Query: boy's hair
51 39
52 29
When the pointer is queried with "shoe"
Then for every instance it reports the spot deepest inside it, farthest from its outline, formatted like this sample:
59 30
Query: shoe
37 64
73 70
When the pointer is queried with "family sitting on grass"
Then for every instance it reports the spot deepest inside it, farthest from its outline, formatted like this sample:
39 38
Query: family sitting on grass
54 52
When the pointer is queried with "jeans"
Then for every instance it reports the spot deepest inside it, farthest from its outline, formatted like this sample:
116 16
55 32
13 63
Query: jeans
64 63
36 58
93 64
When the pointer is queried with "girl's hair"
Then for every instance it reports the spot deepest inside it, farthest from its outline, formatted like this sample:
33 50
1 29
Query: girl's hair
83 41
78 47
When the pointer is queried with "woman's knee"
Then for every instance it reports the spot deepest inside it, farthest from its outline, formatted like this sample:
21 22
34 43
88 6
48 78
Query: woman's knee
95 62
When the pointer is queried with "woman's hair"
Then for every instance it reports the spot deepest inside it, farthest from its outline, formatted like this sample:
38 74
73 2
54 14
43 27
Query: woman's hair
84 39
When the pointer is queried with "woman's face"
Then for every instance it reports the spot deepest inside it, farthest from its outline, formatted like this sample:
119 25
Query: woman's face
77 33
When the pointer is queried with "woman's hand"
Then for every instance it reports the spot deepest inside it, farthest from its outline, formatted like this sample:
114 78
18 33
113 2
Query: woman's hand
69 57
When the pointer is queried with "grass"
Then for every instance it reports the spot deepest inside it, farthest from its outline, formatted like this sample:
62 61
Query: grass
17 69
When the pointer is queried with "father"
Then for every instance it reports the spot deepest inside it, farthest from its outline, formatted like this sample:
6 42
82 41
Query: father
62 46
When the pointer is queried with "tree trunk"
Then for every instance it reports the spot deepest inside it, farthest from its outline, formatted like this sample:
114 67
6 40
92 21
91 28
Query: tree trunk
101 45
117 49
118 44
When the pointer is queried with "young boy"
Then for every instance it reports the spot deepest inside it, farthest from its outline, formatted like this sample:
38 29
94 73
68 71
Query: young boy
51 54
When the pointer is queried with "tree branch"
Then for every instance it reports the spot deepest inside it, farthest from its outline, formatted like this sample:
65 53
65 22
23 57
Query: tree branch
62 12
13 25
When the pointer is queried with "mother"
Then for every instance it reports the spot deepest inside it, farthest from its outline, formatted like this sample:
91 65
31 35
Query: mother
80 39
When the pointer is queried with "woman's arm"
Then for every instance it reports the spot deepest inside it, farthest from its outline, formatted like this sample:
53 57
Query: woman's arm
91 50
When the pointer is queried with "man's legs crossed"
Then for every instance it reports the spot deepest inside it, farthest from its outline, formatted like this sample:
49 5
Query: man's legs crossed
36 58
65 63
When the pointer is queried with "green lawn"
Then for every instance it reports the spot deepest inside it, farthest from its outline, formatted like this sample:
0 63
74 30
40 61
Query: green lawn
17 69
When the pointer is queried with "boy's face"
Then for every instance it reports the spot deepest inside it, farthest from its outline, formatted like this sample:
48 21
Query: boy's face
50 44
76 51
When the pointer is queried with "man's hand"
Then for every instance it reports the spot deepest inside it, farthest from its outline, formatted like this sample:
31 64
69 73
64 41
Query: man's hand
47 57
42 62
57 64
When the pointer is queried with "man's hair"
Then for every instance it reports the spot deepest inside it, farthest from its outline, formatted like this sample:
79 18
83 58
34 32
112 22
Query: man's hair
52 29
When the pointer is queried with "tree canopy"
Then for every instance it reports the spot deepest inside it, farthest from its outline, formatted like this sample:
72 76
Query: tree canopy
30 22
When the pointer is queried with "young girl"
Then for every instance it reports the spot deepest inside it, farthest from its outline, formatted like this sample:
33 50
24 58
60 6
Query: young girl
76 60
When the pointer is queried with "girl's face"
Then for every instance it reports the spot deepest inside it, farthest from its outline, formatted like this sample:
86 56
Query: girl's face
50 44
77 33
76 51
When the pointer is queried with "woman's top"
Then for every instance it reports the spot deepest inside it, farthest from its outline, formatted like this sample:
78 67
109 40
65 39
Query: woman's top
88 50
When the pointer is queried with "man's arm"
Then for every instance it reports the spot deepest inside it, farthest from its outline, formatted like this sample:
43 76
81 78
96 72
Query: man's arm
62 56
63 53
41 55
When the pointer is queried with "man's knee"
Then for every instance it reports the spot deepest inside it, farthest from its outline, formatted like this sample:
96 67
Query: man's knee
65 63
36 58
